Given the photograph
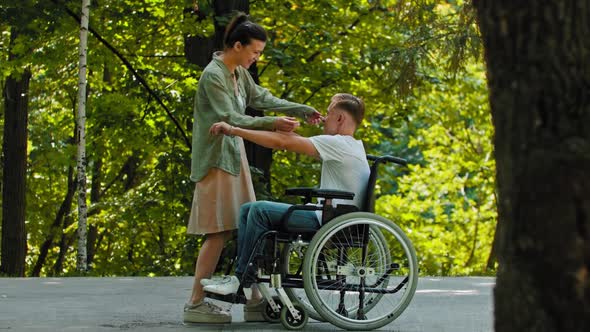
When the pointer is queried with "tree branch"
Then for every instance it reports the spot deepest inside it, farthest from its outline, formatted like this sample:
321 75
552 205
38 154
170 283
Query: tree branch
131 69
285 48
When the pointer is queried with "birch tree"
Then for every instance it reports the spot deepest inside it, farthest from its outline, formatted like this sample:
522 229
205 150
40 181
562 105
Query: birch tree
81 127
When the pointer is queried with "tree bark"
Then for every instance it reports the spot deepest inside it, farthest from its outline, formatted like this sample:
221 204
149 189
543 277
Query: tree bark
58 226
258 156
538 65
95 189
66 220
14 147
81 263
64 243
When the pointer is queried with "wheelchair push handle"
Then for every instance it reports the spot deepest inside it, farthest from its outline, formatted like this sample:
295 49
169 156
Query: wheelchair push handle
395 160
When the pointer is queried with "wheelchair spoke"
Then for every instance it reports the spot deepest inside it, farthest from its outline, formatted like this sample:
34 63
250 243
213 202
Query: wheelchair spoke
360 270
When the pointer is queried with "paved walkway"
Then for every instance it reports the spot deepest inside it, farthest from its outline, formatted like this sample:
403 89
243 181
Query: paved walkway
155 304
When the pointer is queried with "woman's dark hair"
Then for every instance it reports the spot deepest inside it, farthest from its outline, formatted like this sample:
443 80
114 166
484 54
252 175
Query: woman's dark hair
242 30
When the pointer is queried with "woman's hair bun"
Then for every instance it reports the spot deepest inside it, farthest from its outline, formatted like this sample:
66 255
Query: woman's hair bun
242 30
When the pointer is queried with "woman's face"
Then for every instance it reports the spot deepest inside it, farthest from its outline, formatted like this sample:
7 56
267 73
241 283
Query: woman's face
248 54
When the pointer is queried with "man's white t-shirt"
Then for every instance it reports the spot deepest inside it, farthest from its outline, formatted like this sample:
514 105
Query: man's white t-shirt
344 166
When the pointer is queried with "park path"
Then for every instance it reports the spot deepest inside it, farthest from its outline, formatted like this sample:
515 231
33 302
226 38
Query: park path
462 304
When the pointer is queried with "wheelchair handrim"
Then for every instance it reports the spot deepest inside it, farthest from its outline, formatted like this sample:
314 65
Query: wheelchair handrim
382 223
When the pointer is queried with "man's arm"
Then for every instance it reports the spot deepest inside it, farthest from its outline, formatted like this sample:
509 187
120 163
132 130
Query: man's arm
270 139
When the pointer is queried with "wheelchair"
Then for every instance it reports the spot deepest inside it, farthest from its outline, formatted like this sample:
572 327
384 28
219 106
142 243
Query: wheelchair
358 271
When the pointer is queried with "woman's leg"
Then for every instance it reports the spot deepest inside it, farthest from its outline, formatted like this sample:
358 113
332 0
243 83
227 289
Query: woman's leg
207 261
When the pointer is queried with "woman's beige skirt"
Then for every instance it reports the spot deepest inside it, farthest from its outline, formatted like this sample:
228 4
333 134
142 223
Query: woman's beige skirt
218 197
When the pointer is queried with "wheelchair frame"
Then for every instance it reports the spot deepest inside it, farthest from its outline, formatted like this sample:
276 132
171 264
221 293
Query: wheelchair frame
294 316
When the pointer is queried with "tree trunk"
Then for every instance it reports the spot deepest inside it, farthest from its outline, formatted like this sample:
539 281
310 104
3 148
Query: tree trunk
96 187
64 243
66 220
81 264
14 243
538 64
258 156
199 50
58 226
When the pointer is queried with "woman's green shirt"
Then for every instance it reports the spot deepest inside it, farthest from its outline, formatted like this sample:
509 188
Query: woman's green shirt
216 101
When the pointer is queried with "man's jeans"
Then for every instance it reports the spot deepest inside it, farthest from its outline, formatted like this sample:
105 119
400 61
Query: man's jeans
258 217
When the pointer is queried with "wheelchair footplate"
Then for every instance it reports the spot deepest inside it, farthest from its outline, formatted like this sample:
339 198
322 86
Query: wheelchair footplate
237 298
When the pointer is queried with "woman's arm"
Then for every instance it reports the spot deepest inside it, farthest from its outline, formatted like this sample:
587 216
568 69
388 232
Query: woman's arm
273 140
261 99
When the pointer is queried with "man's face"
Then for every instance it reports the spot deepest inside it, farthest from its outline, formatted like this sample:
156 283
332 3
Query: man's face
250 53
331 120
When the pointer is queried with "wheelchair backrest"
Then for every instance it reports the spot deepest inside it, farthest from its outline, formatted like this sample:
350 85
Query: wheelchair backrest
369 202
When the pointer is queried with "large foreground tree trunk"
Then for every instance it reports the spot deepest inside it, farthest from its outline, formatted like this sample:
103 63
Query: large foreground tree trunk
538 62
14 243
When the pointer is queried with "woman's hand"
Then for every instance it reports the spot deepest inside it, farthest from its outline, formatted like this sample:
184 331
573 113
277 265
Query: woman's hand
315 118
286 123
220 128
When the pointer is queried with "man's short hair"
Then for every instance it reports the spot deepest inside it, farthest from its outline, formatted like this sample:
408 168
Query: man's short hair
351 104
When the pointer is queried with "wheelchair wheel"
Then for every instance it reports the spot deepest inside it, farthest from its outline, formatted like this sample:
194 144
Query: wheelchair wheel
290 322
361 271
270 315
292 264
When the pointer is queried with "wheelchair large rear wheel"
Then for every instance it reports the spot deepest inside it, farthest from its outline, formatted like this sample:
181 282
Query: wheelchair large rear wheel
361 271
292 256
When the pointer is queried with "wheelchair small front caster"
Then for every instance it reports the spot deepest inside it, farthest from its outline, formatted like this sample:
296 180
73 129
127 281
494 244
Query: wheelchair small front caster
270 315
290 322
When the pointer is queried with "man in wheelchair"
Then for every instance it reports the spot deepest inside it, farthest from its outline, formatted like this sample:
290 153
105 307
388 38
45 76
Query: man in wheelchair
344 167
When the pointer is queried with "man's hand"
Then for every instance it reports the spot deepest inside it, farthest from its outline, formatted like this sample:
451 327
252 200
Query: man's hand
220 128
286 123
315 118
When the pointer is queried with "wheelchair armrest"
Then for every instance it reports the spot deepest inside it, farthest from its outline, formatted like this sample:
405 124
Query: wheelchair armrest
332 193
299 191
322 193
305 192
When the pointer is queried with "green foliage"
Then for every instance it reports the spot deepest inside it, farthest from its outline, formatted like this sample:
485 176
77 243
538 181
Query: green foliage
446 202
415 63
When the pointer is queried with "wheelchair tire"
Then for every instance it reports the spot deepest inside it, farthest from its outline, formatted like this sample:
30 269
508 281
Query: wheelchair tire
361 271
271 316
289 322
299 295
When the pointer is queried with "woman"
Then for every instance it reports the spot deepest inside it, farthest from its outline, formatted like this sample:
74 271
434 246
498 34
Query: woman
219 165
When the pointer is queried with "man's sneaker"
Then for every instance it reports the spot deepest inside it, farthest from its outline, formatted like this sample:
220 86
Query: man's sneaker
205 312
253 311
224 287
215 280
